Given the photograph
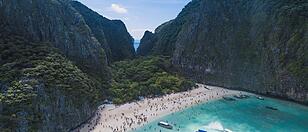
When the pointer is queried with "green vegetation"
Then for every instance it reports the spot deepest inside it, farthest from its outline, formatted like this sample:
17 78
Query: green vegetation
32 76
239 44
17 93
150 76
25 60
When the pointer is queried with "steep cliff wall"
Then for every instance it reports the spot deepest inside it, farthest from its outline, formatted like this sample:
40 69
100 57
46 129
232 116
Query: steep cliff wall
58 22
40 90
53 65
147 42
256 45
111 33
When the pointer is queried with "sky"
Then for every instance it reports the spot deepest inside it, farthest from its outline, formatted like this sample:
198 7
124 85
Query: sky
138 15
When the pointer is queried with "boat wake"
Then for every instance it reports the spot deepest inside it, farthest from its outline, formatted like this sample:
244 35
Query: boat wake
216 126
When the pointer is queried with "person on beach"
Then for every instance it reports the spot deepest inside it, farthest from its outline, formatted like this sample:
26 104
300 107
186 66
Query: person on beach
140 113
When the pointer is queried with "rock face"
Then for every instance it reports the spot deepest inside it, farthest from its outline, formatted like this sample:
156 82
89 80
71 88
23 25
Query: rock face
53 65
257 45
147 42
58 22
41 90
112 34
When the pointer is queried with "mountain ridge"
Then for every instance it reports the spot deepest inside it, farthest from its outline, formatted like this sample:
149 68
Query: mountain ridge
105 31
255 45
54 66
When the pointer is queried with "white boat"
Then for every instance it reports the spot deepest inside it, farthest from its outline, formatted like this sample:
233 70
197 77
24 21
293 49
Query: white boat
200 130
227 130
242 96
260 98
224 130
165 125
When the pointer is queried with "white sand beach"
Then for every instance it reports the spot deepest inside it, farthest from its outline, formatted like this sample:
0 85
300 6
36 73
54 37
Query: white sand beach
128 117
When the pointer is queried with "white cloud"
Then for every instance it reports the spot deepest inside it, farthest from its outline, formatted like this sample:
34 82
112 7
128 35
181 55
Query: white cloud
118 9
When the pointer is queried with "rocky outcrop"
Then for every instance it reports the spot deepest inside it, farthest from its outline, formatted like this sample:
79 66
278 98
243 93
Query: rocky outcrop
112 34
255 45
146 44
162 43
40 90
58 22
53 65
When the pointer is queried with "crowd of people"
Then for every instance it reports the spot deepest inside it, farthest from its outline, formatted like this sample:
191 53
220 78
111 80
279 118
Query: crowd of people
137 114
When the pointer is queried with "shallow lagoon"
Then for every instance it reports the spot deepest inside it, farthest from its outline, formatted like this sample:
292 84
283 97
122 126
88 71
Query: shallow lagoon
249 115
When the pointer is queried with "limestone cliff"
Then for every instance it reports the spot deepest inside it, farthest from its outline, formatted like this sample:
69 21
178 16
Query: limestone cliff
147 44
53 65
255 45
40 90
113 34
58 22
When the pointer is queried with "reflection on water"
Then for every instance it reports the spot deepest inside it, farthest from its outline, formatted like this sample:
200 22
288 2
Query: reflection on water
249 115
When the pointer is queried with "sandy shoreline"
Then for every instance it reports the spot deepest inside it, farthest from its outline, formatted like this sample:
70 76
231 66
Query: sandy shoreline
128 117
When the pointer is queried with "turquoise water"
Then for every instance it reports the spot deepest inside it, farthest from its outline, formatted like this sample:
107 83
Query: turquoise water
245 115
136 44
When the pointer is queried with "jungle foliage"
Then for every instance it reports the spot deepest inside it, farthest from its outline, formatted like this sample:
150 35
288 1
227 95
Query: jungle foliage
147 76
